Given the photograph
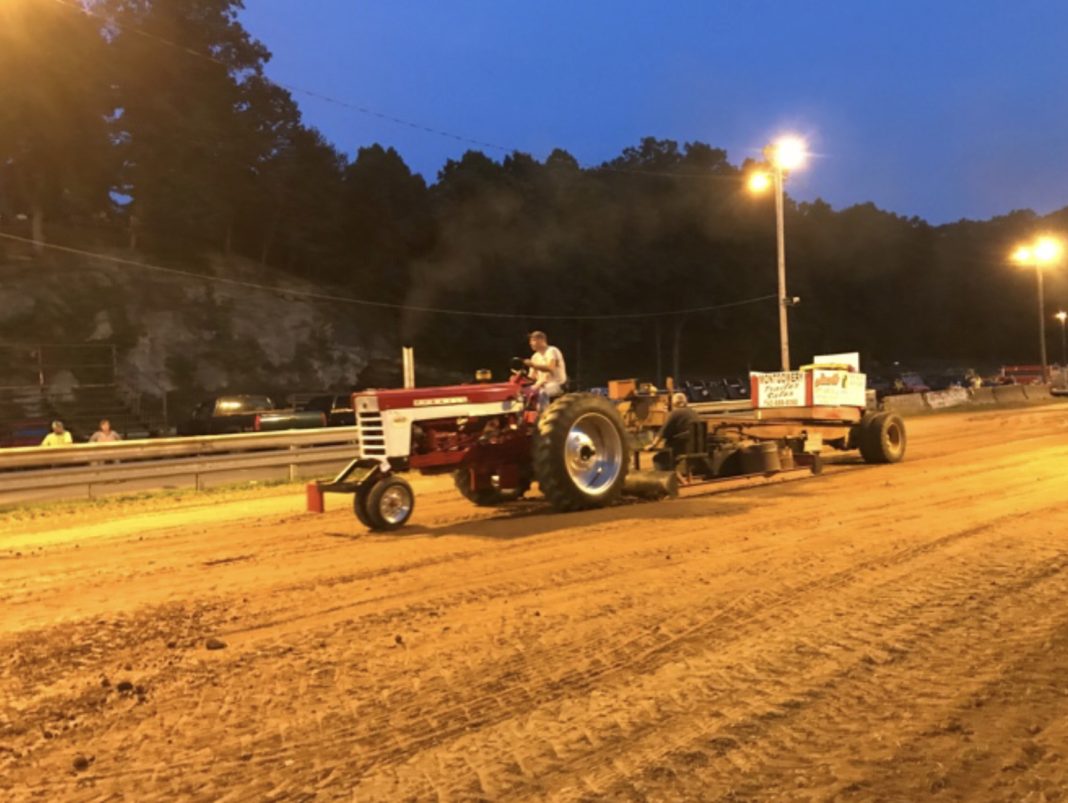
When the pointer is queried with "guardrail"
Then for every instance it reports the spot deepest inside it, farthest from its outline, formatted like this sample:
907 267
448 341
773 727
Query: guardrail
90 470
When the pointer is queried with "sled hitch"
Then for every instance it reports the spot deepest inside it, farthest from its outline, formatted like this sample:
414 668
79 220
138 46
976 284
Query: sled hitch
360 473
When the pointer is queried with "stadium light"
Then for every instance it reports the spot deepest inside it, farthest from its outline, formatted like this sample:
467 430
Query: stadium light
788 153
783 155
759 182
1043 252
1048 250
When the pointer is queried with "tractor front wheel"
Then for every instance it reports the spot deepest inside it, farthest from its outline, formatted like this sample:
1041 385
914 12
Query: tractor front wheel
581 454
386 505
359 507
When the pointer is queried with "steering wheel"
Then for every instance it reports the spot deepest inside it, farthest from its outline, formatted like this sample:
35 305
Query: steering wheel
519 372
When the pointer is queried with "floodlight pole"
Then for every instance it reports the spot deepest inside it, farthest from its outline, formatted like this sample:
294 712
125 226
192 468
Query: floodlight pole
1064 343
780 226
1042 322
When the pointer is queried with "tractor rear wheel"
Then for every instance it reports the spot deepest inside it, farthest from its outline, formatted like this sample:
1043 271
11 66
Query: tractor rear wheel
581 454
486 497
882 438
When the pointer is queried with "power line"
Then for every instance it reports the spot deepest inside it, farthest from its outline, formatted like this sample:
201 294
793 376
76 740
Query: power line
316 296
369 111
397 120
294 89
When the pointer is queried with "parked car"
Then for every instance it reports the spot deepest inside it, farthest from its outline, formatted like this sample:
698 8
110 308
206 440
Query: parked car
906 382
880 384
224 415
1022 374
945 381
29 432
337 409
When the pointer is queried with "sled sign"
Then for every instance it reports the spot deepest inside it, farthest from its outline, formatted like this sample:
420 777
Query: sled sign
817 387
780 389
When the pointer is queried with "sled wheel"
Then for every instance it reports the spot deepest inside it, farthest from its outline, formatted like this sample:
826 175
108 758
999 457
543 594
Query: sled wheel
882 438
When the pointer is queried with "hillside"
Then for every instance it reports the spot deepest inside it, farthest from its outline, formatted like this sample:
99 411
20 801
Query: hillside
179 335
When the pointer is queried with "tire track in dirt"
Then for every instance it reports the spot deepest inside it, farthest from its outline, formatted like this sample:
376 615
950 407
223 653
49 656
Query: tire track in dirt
884 638
621 618
652 650
810 736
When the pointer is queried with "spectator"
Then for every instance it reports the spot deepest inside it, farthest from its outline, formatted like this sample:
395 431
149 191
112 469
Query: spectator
105 434
58 436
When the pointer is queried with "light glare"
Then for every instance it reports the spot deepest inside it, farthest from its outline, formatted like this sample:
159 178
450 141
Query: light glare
1047 249
789 153
1044 251
759 182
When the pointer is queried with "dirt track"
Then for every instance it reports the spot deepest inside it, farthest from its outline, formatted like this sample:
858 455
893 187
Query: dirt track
877 633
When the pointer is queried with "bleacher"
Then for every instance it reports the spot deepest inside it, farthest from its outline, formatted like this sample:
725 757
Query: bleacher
76 384
23 414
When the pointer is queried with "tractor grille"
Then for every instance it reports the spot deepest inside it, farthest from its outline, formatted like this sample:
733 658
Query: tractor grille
372 434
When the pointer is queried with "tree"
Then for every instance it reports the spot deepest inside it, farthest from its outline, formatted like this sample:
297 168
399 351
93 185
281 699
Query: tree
387 221
187 76
303 183
54 102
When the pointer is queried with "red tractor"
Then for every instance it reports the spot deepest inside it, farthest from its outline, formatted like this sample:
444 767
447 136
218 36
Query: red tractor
491 438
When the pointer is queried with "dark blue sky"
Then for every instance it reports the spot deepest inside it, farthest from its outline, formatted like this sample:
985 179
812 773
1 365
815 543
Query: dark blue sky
939 108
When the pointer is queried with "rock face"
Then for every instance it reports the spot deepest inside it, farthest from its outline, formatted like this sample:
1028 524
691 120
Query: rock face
183 335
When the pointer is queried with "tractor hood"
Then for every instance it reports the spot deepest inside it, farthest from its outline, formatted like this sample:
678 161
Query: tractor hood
445 396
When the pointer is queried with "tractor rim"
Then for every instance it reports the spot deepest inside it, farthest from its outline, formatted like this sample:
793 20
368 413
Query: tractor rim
593 454
395 505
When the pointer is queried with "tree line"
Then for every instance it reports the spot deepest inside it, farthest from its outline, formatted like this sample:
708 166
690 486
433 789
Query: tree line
112 133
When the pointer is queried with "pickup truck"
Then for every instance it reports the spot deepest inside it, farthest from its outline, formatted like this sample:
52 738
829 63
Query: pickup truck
224 415
337 408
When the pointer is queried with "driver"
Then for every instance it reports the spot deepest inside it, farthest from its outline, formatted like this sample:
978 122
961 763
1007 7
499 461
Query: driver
547 369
